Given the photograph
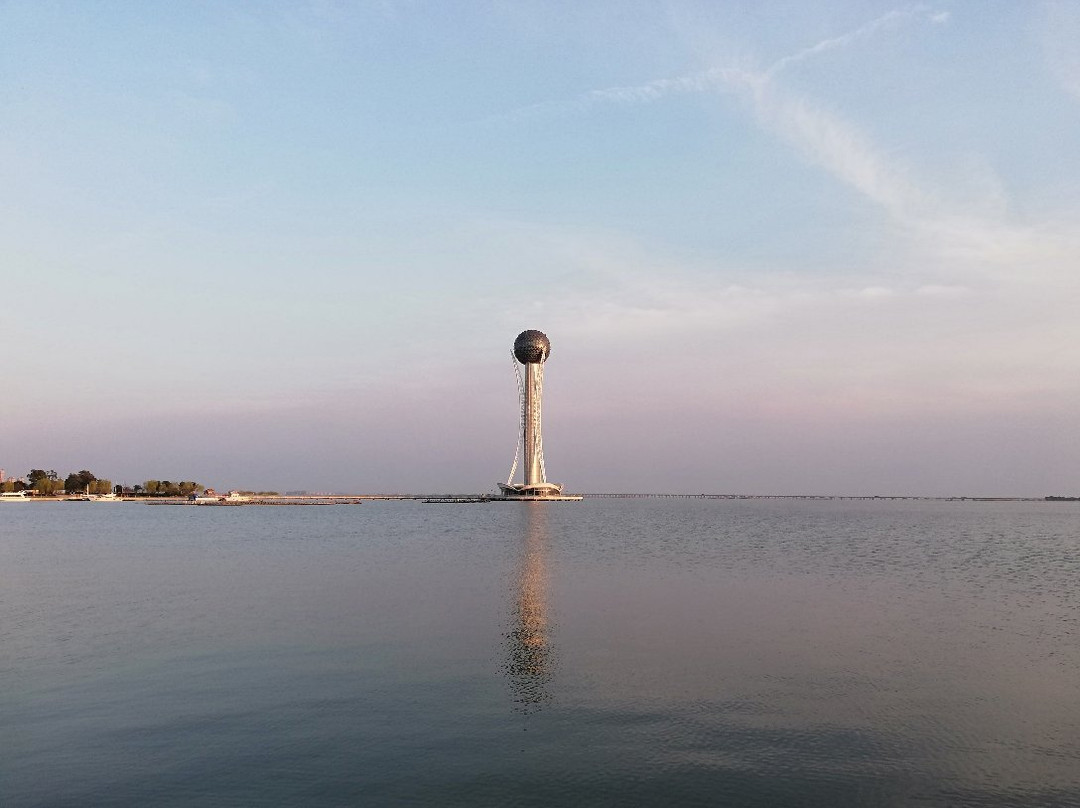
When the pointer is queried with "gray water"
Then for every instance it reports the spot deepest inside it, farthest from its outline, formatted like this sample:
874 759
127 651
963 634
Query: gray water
614 653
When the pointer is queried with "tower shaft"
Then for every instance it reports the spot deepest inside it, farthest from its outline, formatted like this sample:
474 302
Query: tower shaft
532 439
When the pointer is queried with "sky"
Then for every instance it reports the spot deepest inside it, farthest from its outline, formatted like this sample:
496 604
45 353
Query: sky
778 247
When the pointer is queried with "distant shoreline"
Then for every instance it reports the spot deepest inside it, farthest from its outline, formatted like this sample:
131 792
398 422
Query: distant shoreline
456 497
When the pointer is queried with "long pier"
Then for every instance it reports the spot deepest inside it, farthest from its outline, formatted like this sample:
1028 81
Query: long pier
664 495
812 496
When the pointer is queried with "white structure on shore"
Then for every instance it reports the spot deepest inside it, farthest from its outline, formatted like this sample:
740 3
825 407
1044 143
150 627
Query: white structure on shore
531 349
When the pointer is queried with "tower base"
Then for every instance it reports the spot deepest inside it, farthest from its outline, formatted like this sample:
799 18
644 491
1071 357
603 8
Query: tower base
539 492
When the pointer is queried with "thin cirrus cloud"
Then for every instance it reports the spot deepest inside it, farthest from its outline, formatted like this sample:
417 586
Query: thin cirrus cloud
827 140
889 19
976 229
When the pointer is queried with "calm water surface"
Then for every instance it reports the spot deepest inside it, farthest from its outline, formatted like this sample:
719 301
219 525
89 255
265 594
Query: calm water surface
627 652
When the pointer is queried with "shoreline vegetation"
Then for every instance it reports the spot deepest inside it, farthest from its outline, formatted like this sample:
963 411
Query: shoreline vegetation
47 485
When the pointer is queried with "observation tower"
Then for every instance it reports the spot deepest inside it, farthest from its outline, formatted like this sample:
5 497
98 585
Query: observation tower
531 349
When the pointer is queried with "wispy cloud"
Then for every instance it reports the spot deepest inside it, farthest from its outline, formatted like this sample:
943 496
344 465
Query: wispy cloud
712 80
822 137
706 80
893 18
730 77
975 229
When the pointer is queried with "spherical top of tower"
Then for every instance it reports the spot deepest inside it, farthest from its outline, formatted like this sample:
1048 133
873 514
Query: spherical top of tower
532 346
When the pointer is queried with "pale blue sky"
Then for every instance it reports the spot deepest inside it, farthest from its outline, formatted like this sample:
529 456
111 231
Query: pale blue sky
778 247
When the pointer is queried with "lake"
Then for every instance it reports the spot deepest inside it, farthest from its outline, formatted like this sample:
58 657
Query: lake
603 653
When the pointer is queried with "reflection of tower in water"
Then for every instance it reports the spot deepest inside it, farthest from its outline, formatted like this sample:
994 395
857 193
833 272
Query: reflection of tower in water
529 660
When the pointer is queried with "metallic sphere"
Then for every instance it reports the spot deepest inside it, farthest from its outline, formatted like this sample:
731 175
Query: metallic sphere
532 346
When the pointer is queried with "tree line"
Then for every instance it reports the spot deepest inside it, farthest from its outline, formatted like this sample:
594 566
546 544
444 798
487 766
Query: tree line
47 483
166 488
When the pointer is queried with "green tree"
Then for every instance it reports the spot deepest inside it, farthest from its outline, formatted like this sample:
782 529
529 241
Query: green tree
40 474
100 486
46 487
78 481
152 487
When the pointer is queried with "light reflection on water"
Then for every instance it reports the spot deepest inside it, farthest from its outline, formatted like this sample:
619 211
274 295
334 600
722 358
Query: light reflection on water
595 653
529 655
